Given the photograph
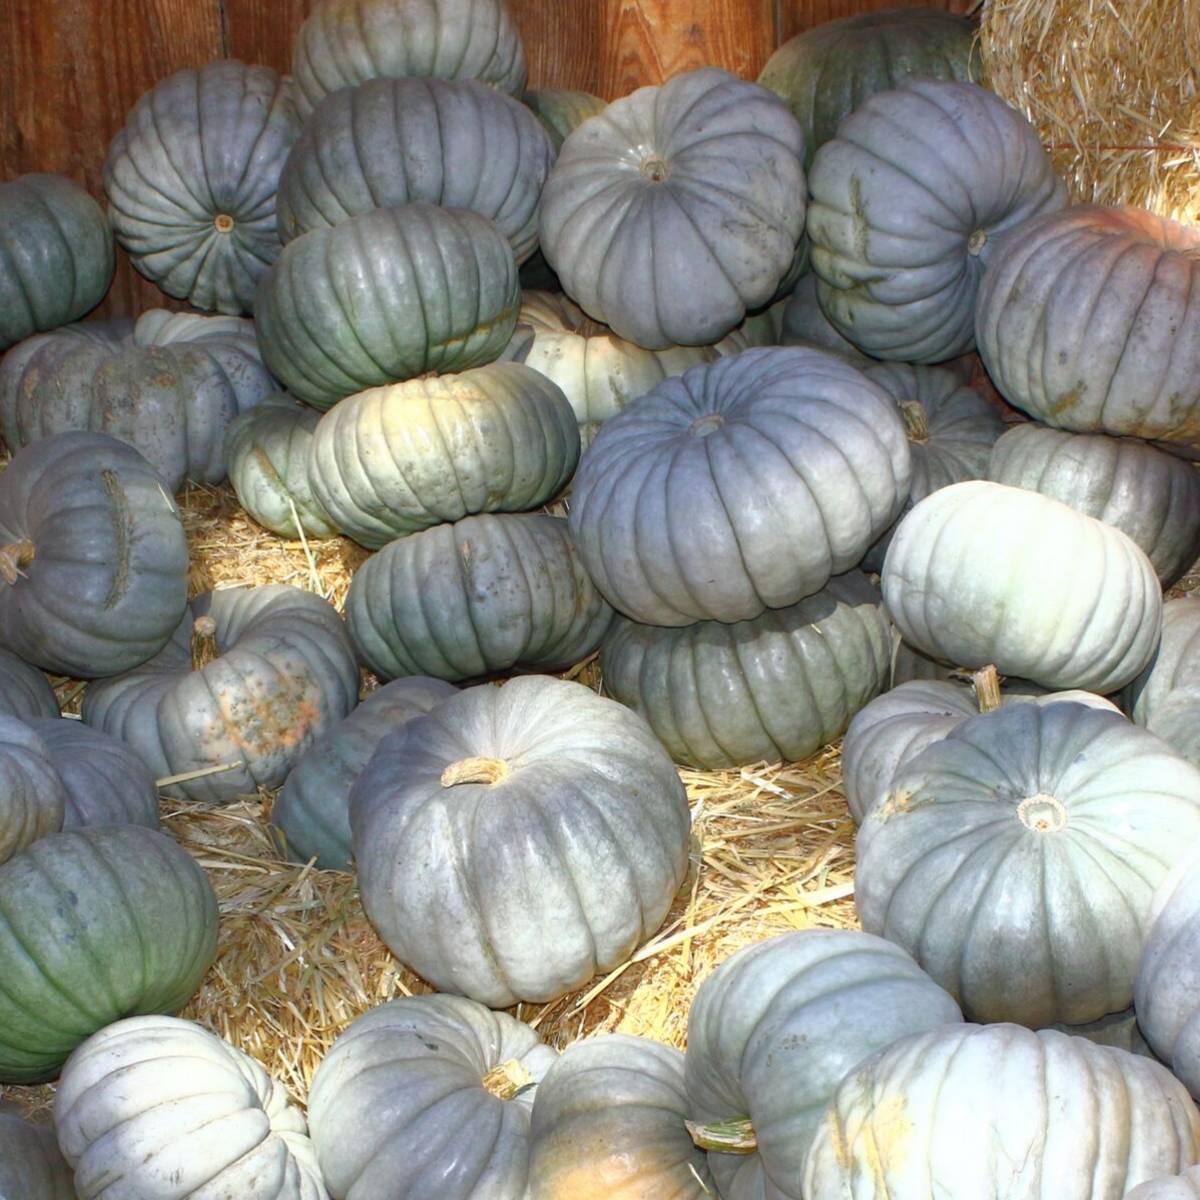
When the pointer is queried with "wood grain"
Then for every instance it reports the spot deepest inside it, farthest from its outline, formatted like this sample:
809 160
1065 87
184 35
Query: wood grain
795 16
262 31
563 42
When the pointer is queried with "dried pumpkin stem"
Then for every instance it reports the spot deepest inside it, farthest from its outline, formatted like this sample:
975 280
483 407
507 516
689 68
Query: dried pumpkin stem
735 1136
204 642
224 223
474 770
986 682
916 420
14 558
507 1079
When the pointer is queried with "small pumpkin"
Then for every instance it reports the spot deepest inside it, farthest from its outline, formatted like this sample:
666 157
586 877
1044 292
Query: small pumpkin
459 811
93 559
191 181
562 111
386 296
1165 697
158 1106
24 690
31 1165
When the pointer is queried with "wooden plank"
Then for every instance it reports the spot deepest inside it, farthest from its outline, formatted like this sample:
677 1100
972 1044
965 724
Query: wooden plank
262 31
795 16
563 40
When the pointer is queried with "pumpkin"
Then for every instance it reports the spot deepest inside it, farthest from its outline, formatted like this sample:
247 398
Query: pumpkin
981 573
1117 1029
779 686
474 598
268 450
191 181
908 201
96 925
1087 321
1165 697
158 1106
826 72
344 42
707 169
31 1166
1016 858
424 1064
609 1123
312 812
168 385
507 812
395 460
1150 495
743 485
93 559
24 690
250 679
773 1031
390 142
804 324
562 111
386 296
32 796
997 1112
1173 1187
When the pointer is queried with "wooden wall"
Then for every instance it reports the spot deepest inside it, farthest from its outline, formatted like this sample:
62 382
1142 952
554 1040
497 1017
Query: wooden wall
71 69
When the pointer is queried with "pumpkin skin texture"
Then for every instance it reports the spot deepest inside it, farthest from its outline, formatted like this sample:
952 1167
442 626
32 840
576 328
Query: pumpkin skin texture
708 168
32 797
159 1106
137 938
1119 1030
1116 348
417 1064
284 674
345 42
386 296
390 142
1173 1187
191 181
395 460
804 324
24 691
101 556
1016 858
608 1124
980 573
773 1031
57 249
313 810
1165 697
168 386
908 202
777 687
471 599
31 1165
998 1112
785 464
562 111
586 802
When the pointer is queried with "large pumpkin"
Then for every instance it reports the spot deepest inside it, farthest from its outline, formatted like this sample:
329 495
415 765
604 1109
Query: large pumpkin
980 573
93 559
168 385
395 460
386 296
509 812
97 924
480 596
778 686
677 209
31 1165
418 1065
908 201
191 181
24 690
1165 697
743 485
56 247
251 677
1016 858
1089 320
562 111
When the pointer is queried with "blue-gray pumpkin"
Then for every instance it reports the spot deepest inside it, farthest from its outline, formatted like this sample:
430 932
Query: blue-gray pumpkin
31 1165
1165 697
24 690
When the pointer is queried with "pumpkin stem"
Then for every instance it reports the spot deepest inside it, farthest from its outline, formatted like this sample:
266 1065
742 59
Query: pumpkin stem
474 770
14 558
1043 813
986 682
507 1079
204 642
976 242
655 169
224 223
916 420
735 1136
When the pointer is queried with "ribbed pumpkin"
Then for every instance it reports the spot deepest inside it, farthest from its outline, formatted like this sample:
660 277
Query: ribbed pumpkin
24 690
312 812
390 142
386 296
539 780
31 1165
1089 320
32 796
997 1112
908 202
1119 1030
741 486
56 247
420 1059
96 925
480 596
776 687
707 169
191 181
156 1106
168 385
1169 1187
93 559
252 676
774 1030
980 573
805 324
345 42
393 461
562 111
1165 697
